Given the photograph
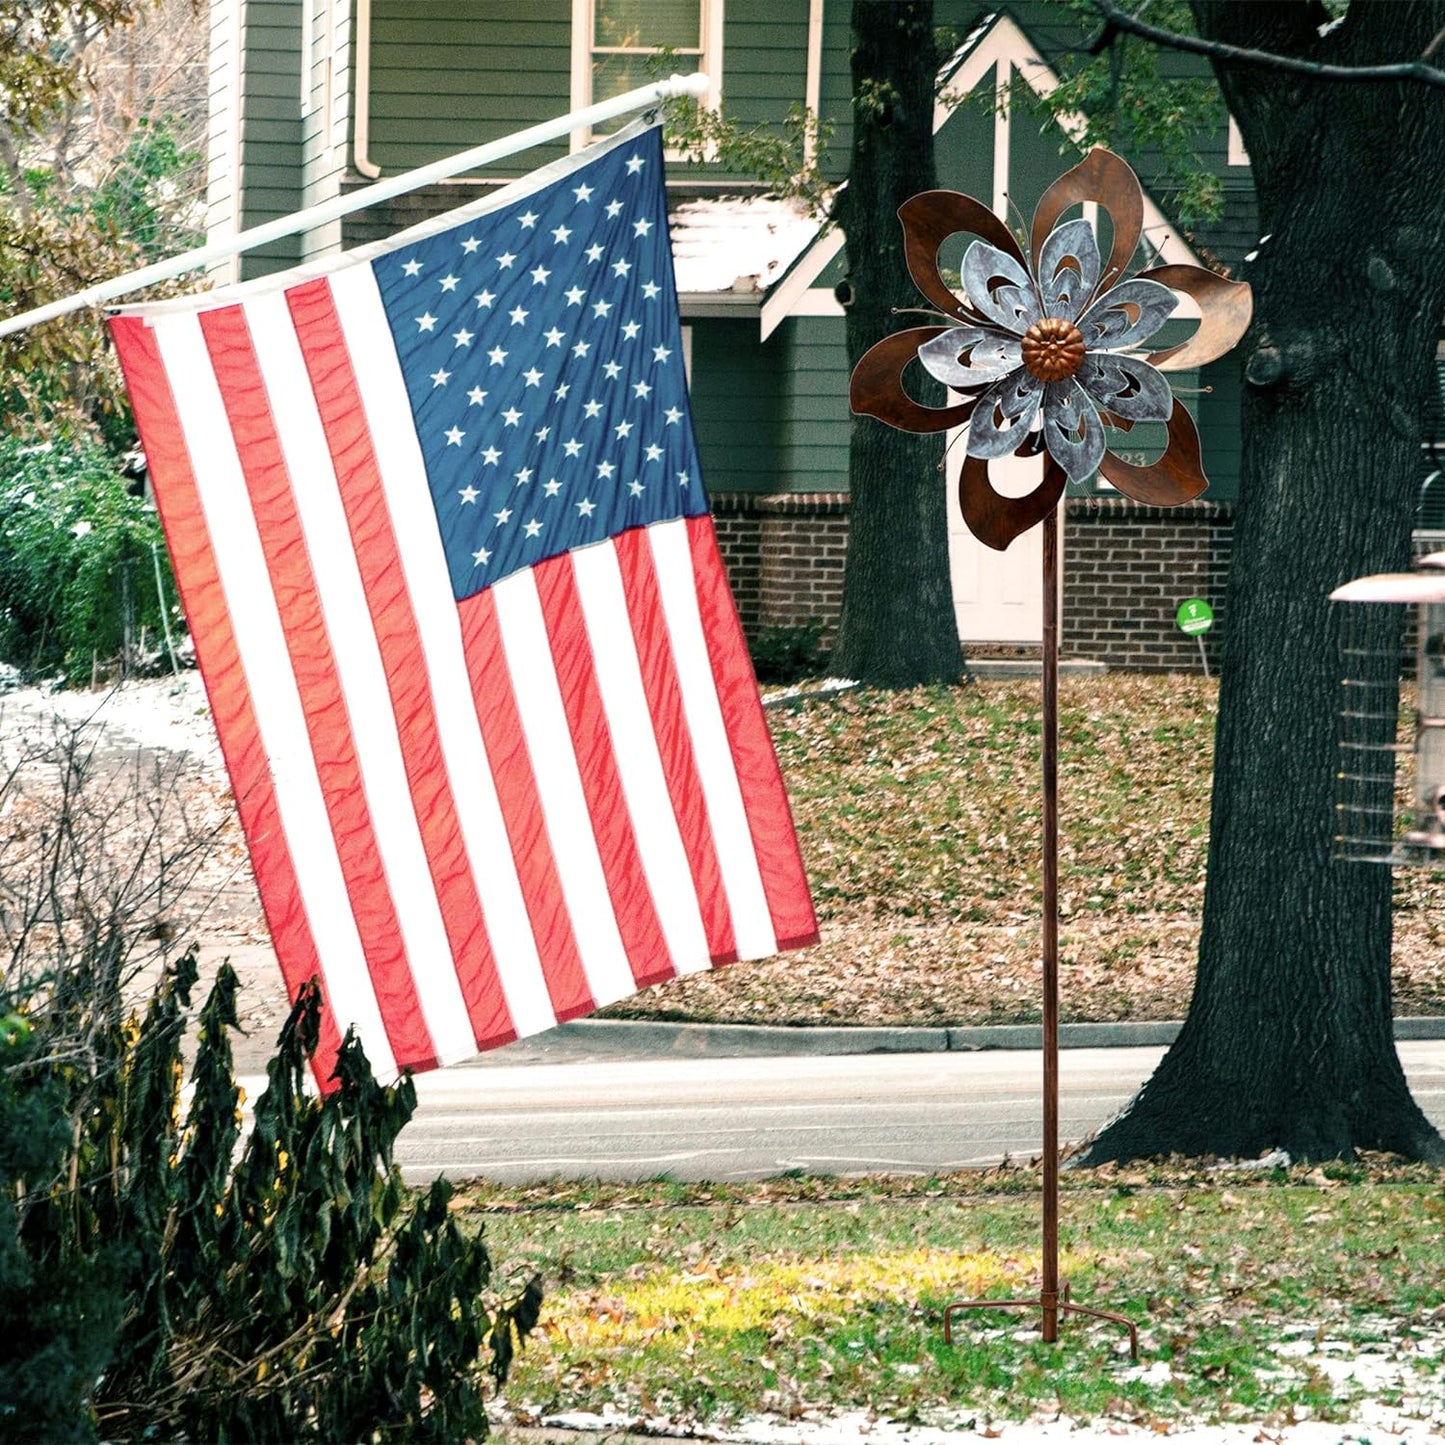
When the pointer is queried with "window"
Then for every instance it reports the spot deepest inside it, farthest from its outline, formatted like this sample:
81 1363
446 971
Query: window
613 40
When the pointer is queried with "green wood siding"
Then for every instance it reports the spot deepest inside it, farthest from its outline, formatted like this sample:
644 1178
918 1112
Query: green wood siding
771 416
736 406
814 395
1217 411
450 74
270 115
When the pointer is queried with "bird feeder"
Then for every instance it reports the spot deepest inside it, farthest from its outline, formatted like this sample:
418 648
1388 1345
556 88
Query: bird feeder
1390 780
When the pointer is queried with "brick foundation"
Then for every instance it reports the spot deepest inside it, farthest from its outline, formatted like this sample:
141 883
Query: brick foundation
1126 570
784 555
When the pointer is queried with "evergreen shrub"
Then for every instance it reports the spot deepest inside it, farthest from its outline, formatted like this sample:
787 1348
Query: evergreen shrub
78 591
787 654
164 1273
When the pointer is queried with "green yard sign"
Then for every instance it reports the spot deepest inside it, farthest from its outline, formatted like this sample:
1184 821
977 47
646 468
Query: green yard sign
1195 616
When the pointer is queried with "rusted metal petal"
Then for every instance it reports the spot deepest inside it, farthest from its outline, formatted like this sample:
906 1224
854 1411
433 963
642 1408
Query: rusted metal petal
877 385
969 357
929 219
1178 476
1069 269
1127 315
1101 176
1225 308
996 520
1073 432
1004 414
1126 386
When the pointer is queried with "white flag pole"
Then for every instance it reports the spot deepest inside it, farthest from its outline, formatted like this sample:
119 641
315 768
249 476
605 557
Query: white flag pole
639 99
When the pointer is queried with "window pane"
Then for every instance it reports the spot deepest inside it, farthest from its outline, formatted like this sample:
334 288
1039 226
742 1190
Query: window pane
655 24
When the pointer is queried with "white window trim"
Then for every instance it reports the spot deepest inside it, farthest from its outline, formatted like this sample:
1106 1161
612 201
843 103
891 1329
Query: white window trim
583 22
1236 154
325 43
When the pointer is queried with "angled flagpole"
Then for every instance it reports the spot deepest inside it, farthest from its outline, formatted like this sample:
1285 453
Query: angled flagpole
482 155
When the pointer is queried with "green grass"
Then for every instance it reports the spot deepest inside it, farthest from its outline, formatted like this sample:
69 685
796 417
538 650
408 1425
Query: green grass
707 1303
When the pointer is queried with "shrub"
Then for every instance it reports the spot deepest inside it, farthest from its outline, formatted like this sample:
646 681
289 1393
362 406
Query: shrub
78 558
788 654
176 1280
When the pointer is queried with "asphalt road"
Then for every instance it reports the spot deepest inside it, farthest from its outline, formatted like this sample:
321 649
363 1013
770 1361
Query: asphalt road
748 1118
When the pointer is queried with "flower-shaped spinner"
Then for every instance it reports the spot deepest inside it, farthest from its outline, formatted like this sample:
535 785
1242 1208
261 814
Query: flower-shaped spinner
1047 349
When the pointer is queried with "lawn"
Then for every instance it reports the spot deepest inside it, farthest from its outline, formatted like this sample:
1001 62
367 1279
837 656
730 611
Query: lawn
1272 1298
918 815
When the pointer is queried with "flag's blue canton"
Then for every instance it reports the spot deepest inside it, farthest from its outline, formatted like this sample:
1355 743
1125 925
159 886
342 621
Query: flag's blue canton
543 358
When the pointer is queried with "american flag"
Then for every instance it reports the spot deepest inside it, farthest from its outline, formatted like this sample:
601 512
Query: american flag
438 524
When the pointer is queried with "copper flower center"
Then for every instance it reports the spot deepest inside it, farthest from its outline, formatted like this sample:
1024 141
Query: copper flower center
1053 349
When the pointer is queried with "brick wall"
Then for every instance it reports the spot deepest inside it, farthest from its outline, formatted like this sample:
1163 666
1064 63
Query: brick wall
1126 570
784 555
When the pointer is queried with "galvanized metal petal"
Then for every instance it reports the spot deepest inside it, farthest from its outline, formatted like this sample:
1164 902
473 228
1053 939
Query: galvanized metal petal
1101 177
999 288
966 357
1127 386
1127 315
929 219
1073 431
1004 413
1068 269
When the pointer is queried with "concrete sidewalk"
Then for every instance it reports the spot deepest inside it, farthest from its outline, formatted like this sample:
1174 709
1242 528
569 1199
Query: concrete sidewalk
599 1039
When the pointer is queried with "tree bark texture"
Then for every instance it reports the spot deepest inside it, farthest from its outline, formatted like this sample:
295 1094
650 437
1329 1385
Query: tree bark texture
897 627
1288 1041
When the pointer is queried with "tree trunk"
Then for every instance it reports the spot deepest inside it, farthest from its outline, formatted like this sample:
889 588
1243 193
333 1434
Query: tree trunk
897 626
1288 1041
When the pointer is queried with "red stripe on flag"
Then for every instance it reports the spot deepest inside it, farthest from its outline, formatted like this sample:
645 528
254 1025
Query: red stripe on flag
674 741
512 766
770 820
348 437
632 902
283 542
204 603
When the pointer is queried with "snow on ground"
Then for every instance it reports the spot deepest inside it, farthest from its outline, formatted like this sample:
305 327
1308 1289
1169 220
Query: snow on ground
158 712
862 1428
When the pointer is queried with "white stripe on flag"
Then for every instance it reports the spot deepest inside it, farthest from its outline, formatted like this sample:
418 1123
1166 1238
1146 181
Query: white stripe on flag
742 879
413 519
261 642
634 744
559 788
342 597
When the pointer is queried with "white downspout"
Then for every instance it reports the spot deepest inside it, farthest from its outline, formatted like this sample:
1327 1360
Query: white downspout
361 122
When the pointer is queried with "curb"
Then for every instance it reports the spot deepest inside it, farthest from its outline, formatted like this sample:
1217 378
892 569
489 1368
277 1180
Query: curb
592 1039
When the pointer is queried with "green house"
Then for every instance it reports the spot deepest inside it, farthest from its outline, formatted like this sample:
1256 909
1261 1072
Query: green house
317 98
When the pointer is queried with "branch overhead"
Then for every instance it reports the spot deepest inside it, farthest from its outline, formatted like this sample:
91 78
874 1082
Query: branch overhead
1117 21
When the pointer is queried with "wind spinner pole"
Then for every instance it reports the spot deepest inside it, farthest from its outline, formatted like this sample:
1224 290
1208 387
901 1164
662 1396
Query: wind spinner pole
1052 1300
1041 347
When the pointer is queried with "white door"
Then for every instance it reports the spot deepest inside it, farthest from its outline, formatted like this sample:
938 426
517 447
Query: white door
997 596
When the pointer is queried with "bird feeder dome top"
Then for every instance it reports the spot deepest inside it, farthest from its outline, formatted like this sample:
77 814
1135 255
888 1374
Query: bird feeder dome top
1425 585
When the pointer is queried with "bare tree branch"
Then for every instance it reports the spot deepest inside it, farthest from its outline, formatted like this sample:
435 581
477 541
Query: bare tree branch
1117 20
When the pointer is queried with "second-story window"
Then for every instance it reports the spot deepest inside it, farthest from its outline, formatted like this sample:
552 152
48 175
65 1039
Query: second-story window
615 41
